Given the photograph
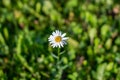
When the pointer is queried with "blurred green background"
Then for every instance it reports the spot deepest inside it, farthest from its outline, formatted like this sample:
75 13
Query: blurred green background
93 28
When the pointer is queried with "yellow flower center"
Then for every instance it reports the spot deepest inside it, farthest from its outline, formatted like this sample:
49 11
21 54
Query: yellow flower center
58 38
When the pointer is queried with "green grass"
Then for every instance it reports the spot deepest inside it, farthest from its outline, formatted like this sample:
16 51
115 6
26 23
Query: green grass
93 49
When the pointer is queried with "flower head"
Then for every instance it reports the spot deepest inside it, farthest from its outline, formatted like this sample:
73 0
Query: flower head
57 39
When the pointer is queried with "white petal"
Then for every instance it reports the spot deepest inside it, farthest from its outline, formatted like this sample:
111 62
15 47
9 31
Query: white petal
63 34
53 33
65 38
64 42
57 32
61 44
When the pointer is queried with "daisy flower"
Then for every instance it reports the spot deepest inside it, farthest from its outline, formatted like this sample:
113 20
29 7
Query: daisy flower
57 39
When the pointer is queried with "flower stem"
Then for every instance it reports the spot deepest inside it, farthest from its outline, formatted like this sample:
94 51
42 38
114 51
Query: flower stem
58 55
58 66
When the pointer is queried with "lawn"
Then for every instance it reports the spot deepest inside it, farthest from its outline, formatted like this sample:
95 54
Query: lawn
90 50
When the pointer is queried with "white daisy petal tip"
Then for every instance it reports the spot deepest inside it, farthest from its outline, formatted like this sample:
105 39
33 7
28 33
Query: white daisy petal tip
57 39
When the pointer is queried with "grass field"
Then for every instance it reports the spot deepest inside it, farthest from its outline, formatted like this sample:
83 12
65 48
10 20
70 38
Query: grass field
92 51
